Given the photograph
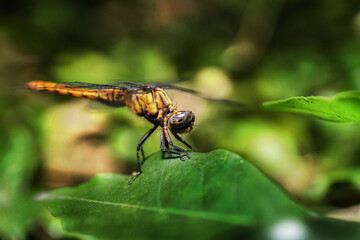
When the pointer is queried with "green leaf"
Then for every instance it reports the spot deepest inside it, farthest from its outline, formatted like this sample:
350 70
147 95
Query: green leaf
344 107
217 194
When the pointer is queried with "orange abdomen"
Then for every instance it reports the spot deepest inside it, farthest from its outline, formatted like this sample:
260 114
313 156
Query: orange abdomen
113 97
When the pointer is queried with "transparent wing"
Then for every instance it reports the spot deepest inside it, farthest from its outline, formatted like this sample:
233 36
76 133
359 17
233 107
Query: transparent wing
200 94
151 86
135 87
120 85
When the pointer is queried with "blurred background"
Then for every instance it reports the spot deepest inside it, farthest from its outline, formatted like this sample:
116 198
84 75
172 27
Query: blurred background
250 51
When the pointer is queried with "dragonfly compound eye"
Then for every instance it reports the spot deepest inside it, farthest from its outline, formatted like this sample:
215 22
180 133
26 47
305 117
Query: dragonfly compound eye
181 121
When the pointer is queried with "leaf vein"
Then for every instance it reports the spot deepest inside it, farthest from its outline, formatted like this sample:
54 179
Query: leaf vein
210 216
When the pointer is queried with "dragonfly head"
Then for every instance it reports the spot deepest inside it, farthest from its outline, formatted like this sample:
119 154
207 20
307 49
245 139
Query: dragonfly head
181 121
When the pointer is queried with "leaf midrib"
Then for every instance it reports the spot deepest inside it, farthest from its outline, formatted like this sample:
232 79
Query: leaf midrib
211 216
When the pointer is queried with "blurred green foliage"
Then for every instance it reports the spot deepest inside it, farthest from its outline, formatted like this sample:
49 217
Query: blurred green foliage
18 163
251 51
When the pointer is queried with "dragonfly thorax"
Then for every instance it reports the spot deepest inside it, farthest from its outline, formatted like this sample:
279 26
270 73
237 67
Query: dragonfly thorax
181 121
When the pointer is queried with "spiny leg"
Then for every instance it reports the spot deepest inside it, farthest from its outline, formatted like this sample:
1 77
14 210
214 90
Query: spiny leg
140 148
164 145
165 132
185 143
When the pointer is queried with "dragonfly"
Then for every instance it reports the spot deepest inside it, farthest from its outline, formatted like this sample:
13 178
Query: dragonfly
146 100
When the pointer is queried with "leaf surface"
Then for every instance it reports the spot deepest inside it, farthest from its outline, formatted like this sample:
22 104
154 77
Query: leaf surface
217 194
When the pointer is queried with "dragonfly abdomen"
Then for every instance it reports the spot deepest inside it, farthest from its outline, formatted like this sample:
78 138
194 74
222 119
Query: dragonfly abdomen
113 97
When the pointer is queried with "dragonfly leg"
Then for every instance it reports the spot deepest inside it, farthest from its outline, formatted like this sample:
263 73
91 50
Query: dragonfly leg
164 145
165 134
185 143
140 148
166 142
